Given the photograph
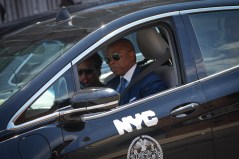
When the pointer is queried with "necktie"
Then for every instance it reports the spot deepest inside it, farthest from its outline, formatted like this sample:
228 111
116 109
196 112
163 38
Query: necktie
122 84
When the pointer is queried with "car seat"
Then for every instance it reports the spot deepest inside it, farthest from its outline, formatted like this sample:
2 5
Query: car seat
155 48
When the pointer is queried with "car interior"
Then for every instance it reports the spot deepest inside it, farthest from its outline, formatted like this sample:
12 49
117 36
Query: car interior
154 53
154 47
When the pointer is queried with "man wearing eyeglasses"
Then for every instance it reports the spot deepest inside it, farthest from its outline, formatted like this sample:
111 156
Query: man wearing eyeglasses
121 58
89 71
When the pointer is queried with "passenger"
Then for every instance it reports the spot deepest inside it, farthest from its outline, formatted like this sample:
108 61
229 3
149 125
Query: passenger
89 71
121 59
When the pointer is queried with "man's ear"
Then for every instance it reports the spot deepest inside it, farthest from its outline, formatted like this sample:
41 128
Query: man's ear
132 55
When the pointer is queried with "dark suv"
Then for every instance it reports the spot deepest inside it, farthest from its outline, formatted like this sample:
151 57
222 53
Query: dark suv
192 45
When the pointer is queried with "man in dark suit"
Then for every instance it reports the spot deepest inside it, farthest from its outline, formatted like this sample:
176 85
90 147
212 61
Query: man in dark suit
121 58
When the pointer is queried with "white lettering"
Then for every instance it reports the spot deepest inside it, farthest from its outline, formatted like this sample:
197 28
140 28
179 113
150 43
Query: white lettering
149 122
136 122
148 117
123 125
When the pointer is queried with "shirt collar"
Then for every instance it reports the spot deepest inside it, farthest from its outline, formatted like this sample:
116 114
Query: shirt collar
129 74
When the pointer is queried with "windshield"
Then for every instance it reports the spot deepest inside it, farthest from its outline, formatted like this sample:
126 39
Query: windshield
26 53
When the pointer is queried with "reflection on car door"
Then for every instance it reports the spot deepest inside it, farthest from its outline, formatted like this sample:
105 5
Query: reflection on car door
219 76
224 112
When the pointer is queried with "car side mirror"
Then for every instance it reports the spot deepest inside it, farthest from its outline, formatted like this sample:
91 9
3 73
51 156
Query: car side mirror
90 100
95 99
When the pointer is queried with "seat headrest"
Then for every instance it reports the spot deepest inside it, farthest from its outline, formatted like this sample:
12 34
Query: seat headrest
151 43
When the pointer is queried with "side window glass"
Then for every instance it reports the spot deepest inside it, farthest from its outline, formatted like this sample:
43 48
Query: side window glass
55 97
218 38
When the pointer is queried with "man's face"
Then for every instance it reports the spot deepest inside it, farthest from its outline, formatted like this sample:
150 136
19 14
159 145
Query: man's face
124 61
87 73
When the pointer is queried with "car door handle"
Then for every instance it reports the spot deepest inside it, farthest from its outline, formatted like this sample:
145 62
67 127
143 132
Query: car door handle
185 110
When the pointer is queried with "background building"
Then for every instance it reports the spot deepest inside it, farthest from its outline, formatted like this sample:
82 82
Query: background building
11 10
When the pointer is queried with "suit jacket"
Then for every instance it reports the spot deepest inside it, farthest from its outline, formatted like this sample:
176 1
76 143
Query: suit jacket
148 85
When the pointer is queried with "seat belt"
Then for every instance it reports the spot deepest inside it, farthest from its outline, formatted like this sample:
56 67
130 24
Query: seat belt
146 71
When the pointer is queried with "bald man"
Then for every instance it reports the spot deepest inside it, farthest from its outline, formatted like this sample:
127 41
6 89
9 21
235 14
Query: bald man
121 58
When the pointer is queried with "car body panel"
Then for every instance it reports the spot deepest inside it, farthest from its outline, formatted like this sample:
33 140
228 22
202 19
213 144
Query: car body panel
221 91
37 139
224 112
190 131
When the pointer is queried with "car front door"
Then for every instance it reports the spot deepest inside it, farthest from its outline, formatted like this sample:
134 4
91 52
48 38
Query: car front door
169 124
172 121
218 48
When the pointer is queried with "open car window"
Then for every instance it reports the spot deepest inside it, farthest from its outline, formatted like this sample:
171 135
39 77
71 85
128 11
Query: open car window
150 55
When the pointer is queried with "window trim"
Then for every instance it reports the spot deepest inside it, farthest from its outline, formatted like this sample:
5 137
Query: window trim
210 9
221 73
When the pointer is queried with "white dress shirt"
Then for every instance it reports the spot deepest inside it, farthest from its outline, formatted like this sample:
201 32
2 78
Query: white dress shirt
129 74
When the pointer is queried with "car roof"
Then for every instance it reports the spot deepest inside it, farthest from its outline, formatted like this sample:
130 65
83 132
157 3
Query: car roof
43 16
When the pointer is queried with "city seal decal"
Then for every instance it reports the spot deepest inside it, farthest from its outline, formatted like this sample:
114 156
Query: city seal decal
145 147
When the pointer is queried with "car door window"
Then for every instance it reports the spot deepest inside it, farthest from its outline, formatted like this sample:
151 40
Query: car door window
154 55
149 50
55 97
218 38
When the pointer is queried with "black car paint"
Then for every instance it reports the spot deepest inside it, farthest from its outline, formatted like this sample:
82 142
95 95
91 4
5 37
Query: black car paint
169 130
224 112
87 138
50 131
223 103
